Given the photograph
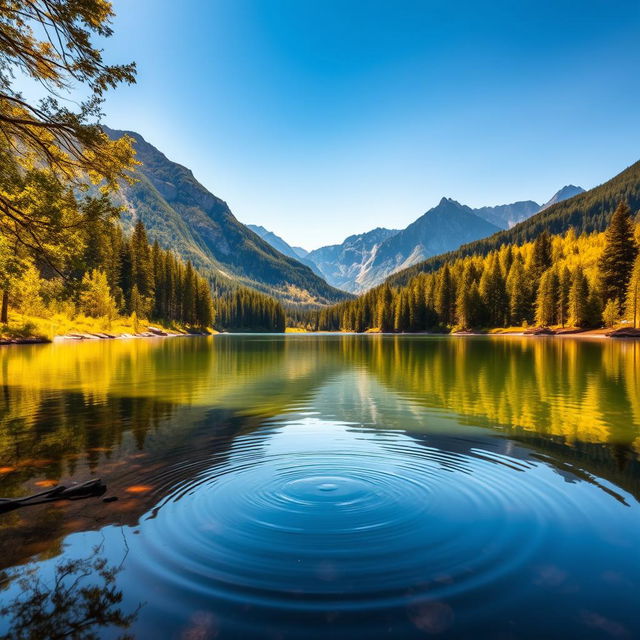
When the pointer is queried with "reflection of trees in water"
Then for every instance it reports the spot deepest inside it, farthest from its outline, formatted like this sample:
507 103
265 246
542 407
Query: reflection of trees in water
580 391
81 598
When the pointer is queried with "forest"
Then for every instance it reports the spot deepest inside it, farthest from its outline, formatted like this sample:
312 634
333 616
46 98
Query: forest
65 262
586 280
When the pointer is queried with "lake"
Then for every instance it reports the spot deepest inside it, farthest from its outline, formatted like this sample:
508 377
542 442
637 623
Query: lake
327 486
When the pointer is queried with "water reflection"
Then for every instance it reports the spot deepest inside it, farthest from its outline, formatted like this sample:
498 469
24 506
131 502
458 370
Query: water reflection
79 599
344 485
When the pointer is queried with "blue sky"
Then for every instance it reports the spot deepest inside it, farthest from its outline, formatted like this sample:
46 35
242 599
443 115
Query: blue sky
323 119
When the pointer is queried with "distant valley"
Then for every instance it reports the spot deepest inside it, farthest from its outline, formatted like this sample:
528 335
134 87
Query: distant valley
181 215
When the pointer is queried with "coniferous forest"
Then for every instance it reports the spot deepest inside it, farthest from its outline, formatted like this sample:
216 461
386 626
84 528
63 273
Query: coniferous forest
587 280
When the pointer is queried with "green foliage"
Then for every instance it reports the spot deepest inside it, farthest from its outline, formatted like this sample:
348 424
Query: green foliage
96 300
579 300
485 291
247 310
547 299
585 213
619 254
181 215
633 294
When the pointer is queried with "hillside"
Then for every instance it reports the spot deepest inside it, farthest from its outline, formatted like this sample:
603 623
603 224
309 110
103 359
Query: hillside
587 211
182 215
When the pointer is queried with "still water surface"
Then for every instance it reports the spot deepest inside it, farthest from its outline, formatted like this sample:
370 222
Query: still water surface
324 487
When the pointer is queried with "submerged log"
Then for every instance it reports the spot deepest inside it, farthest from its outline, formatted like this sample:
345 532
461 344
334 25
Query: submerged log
89 489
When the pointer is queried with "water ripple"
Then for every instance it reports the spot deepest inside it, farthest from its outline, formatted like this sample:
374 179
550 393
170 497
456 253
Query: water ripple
353 529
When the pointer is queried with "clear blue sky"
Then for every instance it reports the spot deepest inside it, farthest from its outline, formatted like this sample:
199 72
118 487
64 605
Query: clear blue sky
319 119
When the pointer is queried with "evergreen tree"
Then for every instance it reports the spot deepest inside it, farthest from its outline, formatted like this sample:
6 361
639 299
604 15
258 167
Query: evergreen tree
618 256
493 292
465 312
541 256
564 287
579 300
445 296
546 302
633 294
518 292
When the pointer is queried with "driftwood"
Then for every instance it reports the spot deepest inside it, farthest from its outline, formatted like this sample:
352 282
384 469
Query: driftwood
89 489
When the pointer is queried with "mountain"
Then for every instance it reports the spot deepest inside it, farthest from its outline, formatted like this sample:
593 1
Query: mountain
564 194
183 216
507 215
301 253
345 265
585 212
443 228
363 261
283 247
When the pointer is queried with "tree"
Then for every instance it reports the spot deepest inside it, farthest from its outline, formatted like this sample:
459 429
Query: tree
96 299
494 293
619 253
579 299
50 42
445 296
564 287
546 301
518 292
611 313
29 289
541 257
633 294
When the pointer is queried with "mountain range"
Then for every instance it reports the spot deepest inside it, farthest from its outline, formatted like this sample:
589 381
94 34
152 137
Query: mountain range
182 215
585 212
364 260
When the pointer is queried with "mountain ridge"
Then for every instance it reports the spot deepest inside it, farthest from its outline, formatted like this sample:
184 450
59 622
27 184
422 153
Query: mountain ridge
181 214
584 212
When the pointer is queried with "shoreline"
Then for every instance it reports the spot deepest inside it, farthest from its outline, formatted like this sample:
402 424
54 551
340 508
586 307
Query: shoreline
83 336
155 332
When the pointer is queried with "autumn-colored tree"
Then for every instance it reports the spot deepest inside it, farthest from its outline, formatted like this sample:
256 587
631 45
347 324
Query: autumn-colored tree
96 299
633 294
547 299
611 313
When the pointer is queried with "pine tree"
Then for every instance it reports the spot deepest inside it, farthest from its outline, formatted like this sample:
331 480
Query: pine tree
464 303
564 287
579 299
633 294
445 296
493 292
546 301
142 267
618 256
518 292
541 257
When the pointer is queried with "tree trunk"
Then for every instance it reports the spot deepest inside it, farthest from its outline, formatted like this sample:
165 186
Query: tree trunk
4 314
